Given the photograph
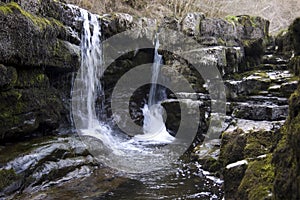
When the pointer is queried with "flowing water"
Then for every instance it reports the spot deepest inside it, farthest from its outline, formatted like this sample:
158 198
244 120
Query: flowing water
146 166
148 157
125 154
154 126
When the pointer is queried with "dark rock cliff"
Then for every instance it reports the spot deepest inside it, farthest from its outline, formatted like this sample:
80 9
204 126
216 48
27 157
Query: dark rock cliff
34 52
39 51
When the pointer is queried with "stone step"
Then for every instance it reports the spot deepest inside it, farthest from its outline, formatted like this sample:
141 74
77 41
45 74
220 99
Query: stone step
273 67
270 50
274 59
261 80
248 126
257 110
263 99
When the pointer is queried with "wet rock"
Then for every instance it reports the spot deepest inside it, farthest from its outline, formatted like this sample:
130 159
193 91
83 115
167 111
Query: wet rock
92 183
47 163
274 59
179 114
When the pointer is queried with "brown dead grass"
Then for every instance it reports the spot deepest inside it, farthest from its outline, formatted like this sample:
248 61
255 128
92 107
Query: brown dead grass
279 12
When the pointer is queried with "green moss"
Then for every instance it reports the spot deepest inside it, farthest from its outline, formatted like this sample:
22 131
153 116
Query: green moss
221 41
7 177
40 77
231 18
260 142
32 78
258 180
232 146
41 22
5 9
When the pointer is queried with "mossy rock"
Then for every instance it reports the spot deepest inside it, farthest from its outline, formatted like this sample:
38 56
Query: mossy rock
260 142
258 180
295 29
287 155
232 146
294 65
32 78
34 41
23 111
13 7
232 179
8 77
294 105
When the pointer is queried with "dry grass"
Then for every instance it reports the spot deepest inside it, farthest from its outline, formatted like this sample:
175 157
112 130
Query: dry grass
279 12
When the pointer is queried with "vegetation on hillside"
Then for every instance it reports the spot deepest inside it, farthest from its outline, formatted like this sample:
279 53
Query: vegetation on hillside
280 13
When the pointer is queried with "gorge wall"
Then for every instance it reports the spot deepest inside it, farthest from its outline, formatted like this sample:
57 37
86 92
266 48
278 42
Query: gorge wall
40 51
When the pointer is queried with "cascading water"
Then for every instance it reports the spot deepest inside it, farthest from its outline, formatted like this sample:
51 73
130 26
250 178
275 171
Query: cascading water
91 64
154 127
112 148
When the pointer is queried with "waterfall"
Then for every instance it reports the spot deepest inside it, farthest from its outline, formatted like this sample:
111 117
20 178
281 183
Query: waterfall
154 127
90 49
88 78
152 99
105 143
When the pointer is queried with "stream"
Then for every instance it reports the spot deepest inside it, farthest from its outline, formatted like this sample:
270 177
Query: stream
101 161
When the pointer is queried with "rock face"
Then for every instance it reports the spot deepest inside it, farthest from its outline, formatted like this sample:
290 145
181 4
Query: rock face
259 151
33 50
286 157
37 69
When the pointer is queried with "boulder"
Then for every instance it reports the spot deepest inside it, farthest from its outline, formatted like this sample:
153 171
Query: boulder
190 23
